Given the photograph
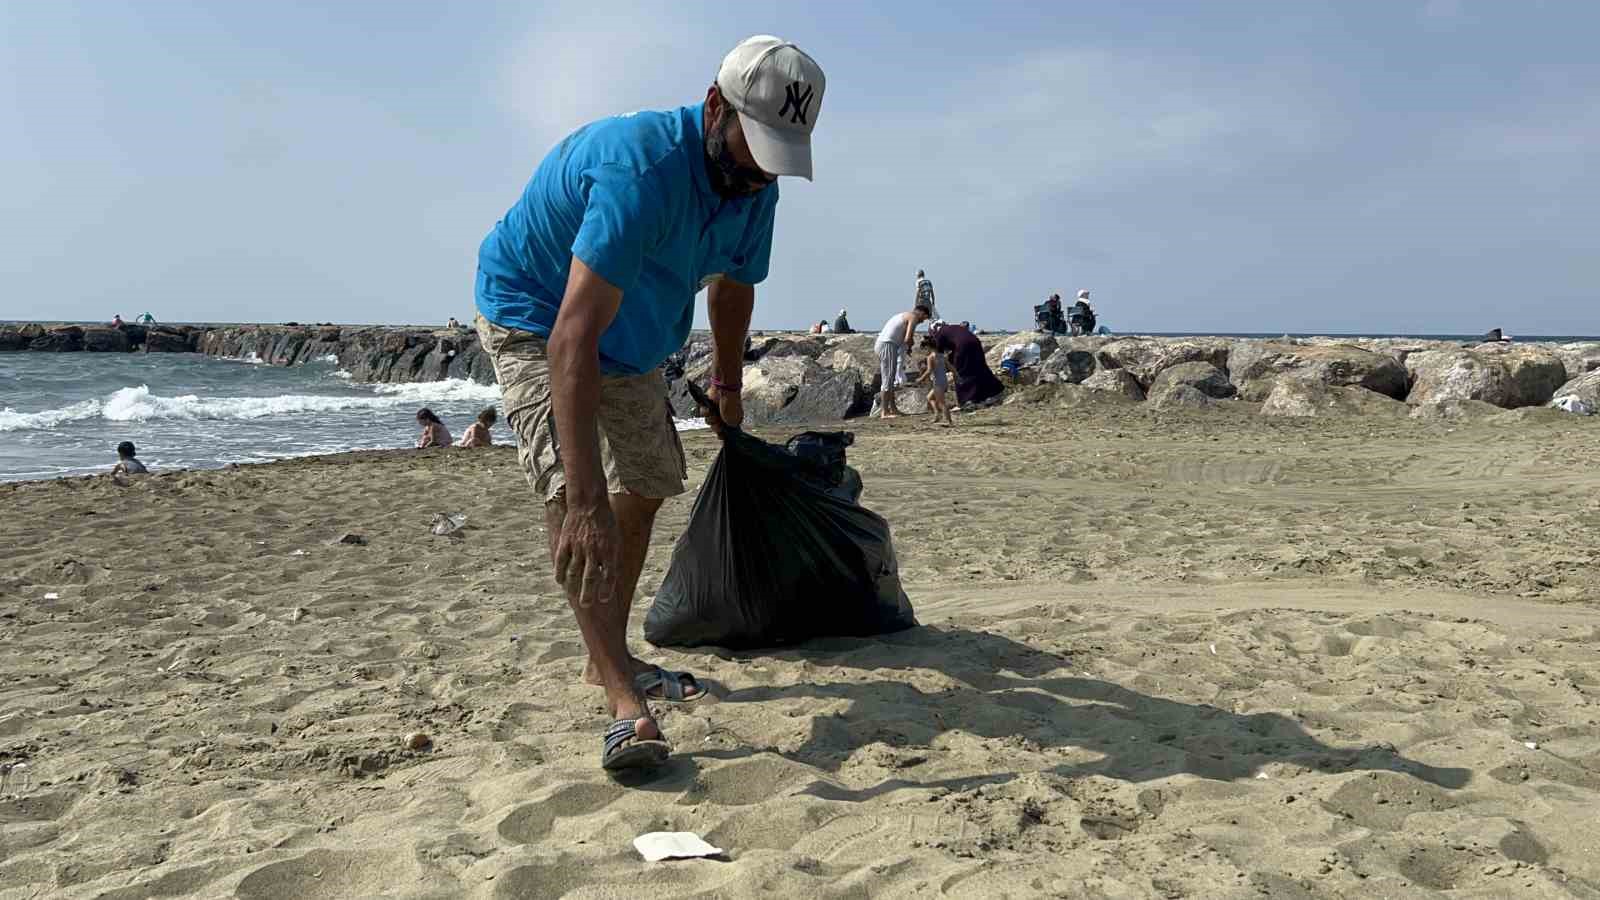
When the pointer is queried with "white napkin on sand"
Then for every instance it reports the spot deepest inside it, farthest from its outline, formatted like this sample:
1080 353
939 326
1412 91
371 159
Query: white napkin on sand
659 845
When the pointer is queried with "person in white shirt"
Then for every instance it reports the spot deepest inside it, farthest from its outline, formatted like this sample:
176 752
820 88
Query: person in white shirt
893 341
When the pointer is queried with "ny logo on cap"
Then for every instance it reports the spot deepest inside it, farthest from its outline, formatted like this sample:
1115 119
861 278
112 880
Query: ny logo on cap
798 101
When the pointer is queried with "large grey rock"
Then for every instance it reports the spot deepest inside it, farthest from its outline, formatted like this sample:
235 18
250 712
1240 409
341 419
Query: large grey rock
1180 396
1452 408
1579 358
106 340
1580 393
12 338
778 346
791 389
1202 376
1309 397
1115 381
64 339
1502 375
1146 358
161 340
1438 375
1254 366
1535 371
827 396
1070 395
855 352
1072 367
910 399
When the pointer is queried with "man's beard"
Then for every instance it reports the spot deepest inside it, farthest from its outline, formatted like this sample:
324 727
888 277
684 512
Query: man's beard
722 167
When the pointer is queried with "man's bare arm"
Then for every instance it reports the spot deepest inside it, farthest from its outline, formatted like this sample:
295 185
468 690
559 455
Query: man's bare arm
590 304
588 554
729 304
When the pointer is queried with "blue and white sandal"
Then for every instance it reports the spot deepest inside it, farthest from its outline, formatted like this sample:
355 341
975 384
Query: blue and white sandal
657 683
624 749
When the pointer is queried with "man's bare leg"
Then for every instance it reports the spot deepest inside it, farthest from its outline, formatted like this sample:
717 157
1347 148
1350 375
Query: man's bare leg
636 518
604 629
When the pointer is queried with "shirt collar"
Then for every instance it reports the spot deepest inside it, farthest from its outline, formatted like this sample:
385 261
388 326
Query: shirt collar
695 134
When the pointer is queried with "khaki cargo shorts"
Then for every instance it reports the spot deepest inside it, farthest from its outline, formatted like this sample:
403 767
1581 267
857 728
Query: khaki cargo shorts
639 444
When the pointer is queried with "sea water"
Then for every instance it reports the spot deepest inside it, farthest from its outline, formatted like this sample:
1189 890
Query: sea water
64 413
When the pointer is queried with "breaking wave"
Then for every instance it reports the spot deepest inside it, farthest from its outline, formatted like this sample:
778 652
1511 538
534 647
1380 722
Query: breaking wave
137 404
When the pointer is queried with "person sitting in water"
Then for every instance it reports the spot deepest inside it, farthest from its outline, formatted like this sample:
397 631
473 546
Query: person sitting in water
434 434
478 434
936 370
127 464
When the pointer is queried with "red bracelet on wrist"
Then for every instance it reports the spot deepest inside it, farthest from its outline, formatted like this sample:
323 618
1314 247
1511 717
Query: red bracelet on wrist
721 385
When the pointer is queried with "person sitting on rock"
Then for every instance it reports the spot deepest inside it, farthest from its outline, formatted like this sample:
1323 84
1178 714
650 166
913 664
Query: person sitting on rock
936 370
127 464
116 321
477 435
841 325
452 324
434 434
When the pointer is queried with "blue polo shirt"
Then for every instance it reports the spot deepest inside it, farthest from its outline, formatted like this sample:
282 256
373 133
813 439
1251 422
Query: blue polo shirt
630 197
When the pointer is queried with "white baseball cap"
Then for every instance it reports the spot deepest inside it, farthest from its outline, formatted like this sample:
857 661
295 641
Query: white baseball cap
777 90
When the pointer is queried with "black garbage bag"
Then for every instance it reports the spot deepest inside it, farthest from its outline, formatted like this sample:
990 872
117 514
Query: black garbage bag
778 551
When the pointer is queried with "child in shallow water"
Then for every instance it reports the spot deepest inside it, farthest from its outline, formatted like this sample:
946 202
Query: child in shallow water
478 434
434 434
127 464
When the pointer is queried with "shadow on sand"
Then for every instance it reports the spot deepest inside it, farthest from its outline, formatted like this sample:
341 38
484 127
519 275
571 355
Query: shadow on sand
1009 691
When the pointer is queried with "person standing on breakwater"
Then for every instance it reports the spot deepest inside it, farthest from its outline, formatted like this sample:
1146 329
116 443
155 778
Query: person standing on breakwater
434 434
584 288
924 296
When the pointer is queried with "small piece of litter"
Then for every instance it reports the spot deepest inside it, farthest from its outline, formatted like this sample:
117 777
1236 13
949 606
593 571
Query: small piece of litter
52 596
1262 775
448 523
1213 649
1531 745
659 845
298 553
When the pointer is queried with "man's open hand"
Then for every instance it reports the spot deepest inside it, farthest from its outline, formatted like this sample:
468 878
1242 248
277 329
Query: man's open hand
589 554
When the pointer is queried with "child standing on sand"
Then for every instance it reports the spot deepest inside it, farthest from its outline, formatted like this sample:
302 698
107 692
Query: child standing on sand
937 369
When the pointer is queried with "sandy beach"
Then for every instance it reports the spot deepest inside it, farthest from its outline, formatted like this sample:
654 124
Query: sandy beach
1164 653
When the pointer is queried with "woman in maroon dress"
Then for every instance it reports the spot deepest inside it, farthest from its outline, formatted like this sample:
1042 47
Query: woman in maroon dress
975 381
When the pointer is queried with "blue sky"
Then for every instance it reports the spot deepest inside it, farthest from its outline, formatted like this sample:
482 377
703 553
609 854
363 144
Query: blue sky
1381 166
